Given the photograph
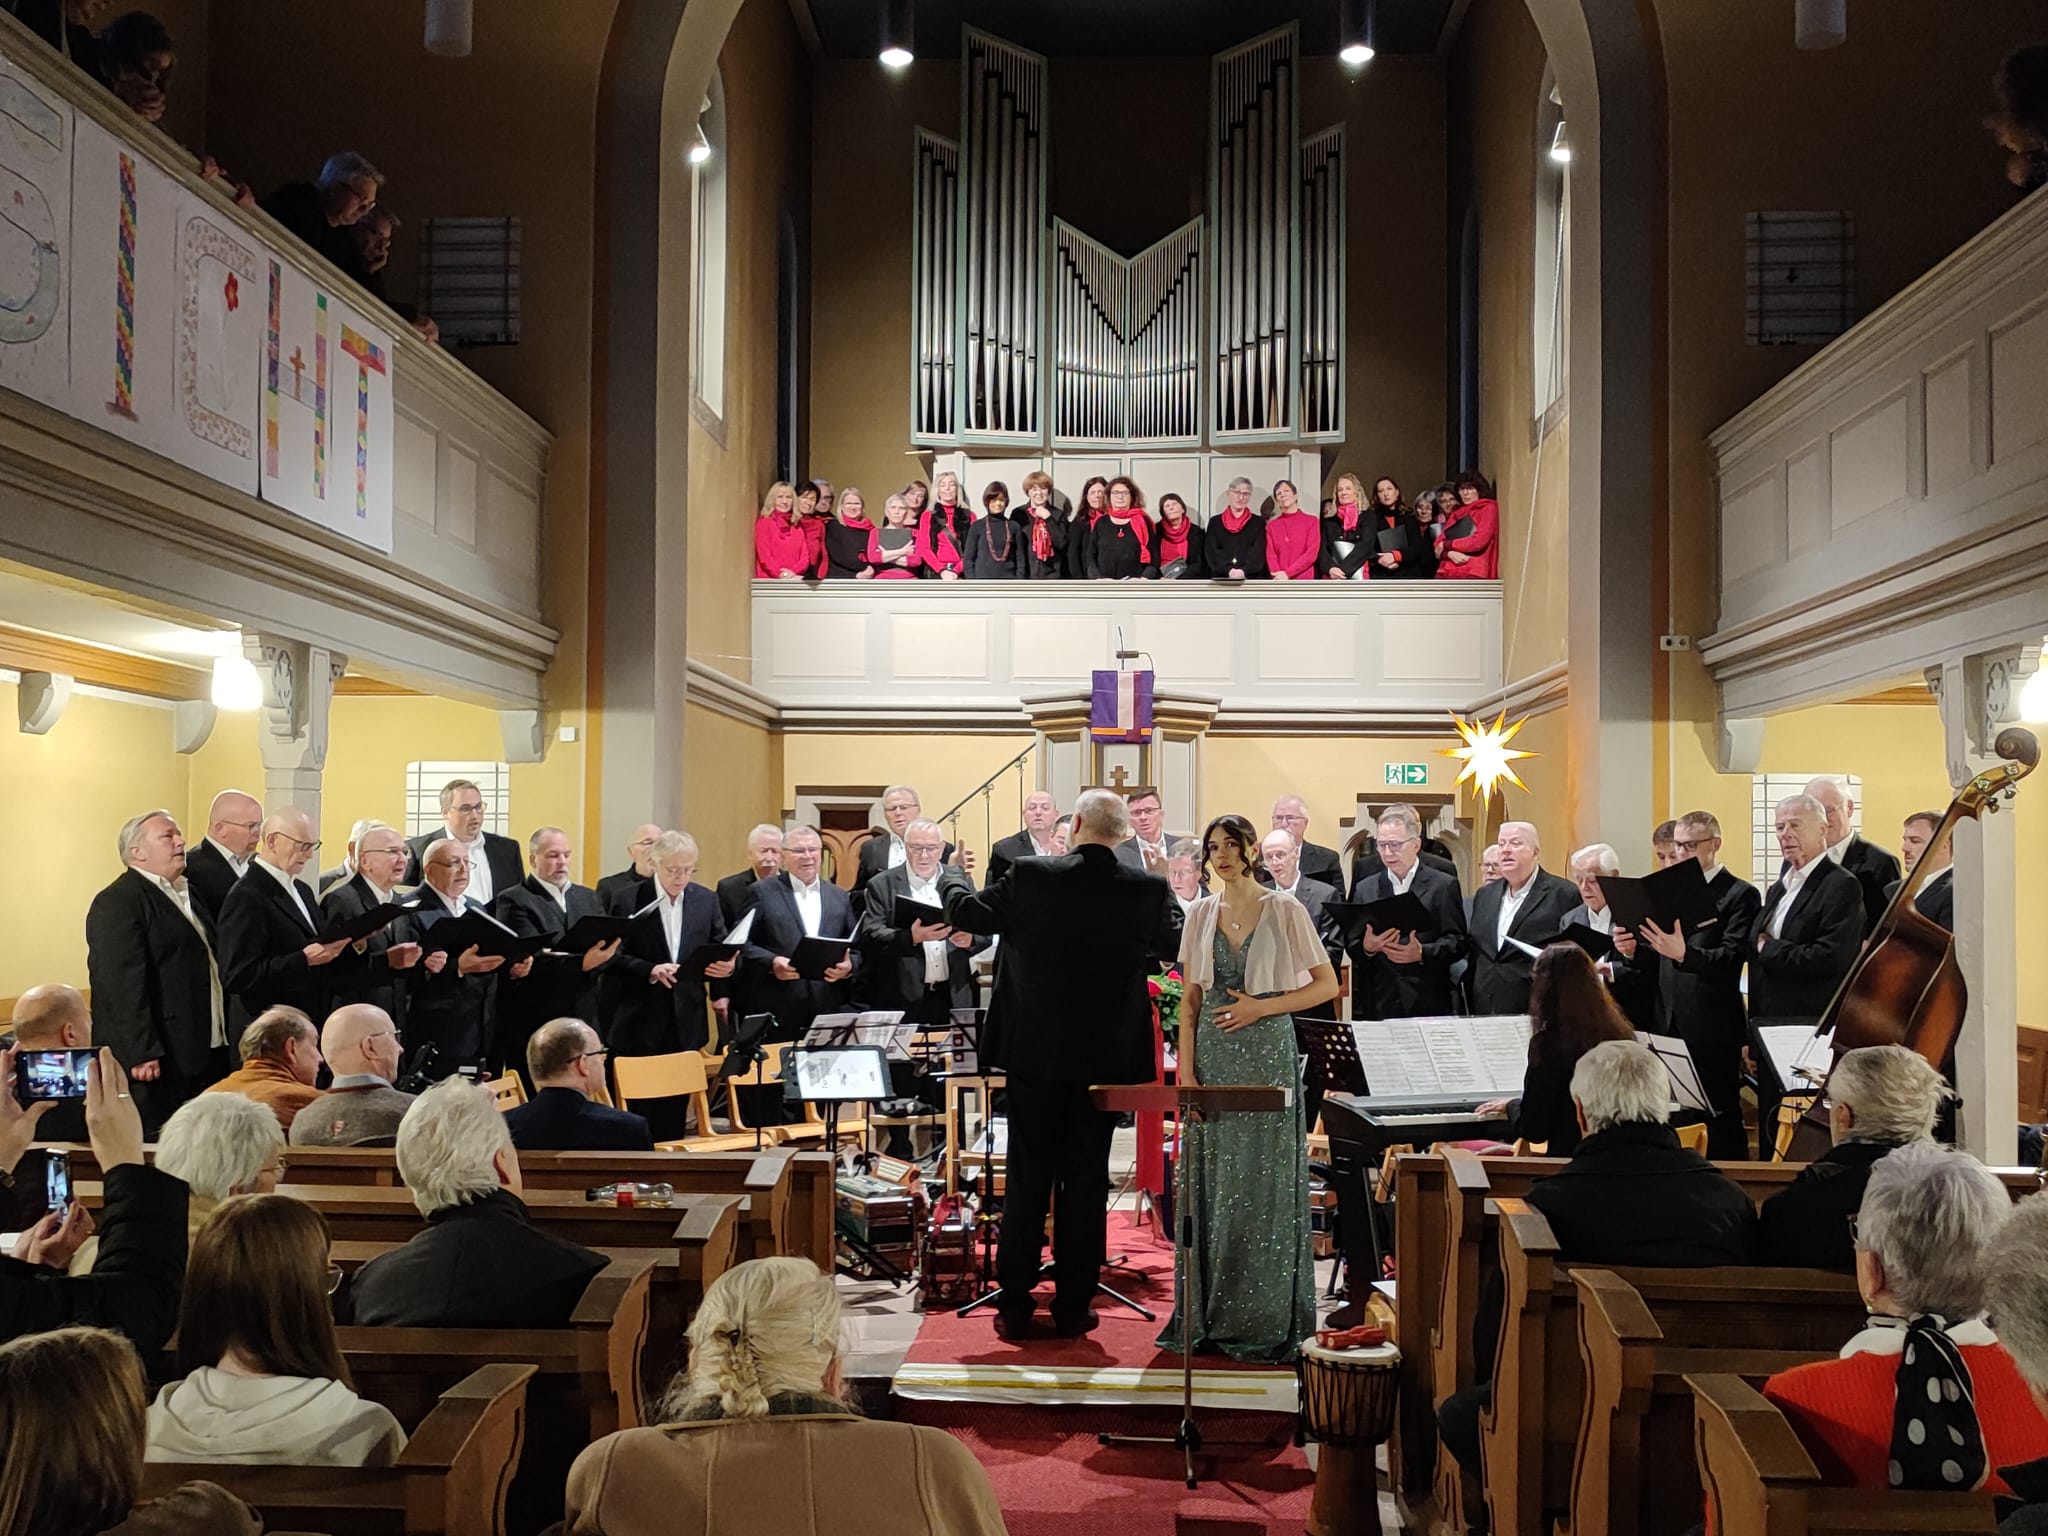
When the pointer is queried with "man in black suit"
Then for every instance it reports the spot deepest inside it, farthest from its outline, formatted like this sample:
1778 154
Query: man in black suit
1281 855
233 822
270 952
797 904
1041 816
616 889
372 970
1527 903
565 1062
53 1017
900 807
1811 927
654 1002
494 862
922 969
1407 976
1873 868
547 903
1070 1009
156 997
1290 814
481 1262
451 1002
1693 981
764 862
329 878
1146 847
1936 898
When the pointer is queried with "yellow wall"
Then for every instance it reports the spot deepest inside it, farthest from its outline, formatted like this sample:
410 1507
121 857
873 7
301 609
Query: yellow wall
943 768
734 771
1246 774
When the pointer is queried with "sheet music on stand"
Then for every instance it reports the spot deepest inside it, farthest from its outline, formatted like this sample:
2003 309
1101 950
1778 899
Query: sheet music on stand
1680 1067
881 1027
1449 1055
1332 1054
1799 1054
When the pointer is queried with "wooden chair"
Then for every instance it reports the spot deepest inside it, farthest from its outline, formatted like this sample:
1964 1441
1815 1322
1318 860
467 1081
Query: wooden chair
957 1090
678 1075
767 1073
509 1091
1760 1481
452 1479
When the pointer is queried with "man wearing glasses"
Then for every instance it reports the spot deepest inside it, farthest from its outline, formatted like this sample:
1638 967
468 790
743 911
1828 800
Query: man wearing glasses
1407 975
270 953
362 1047
566 1062
218 860
618 892
494 862
373 970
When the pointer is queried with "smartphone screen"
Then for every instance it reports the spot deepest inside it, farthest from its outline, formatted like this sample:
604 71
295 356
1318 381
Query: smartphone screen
50 1075
57 1180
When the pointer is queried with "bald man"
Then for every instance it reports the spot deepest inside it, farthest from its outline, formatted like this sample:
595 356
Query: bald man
270 954
362 1048
233 823
1527 903
53 1017
615 892
1041 819
735 892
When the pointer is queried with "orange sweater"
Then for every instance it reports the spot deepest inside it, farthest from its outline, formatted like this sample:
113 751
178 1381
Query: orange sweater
269 1084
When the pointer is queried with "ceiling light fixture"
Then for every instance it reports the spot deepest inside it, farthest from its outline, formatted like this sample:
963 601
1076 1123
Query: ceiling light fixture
236 684
700 147
1561 145
898 28
1354 32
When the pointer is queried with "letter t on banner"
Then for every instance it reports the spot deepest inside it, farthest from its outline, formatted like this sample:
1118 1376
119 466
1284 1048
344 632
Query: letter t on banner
1120 707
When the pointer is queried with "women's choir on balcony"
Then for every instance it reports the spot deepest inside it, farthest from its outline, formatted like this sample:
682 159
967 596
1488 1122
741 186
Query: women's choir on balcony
932 533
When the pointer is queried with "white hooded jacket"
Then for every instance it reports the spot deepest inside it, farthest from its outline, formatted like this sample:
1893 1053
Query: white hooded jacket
213 1415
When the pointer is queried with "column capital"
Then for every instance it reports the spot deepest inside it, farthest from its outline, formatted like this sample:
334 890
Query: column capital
298 690
1979 695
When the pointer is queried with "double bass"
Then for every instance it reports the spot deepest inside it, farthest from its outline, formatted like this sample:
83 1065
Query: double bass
1906 988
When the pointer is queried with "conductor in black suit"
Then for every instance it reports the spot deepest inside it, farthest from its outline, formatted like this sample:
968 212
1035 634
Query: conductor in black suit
797 904
1070 1009
654 1002
1528 903
922 969
270 952
1936 898
1041 820
156 999
218 860
1875 869
1290 814
494 862
565 1062
547 904
372 970
764 862
1407 975
615 889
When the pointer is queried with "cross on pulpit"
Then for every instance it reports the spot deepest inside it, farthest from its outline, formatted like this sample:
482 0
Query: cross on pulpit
1119 780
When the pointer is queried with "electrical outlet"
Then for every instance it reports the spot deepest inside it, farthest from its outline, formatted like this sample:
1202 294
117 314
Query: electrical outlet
1674 642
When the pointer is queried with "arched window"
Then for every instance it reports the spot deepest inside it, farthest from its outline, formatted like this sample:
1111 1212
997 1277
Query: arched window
1550 317
707 150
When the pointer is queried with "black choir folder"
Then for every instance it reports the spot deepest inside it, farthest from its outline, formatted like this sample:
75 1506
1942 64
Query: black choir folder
1390 914
489 936
1676 894
593 930
1597 945
908 912
1461 529
363 924
814 957
1391 540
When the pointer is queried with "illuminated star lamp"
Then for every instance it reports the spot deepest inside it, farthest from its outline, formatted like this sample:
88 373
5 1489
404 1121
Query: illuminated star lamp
1487 757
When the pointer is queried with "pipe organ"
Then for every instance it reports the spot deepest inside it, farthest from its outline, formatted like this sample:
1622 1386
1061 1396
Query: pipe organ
1230 330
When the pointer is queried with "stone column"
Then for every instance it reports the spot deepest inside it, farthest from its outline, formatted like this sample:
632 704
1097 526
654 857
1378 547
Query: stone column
291 730
1979 697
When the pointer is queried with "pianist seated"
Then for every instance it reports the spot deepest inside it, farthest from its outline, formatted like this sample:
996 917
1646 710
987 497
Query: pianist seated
1630 1195
1880 1098
1925 1397
1570 1012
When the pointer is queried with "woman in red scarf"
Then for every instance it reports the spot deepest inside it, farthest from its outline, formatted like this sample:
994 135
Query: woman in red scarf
1180 541
1348 545
815 508
895 552
945 516
1234 543
1119 546
1293 541
1043 536
1094 499
846 540
782 550
1473 555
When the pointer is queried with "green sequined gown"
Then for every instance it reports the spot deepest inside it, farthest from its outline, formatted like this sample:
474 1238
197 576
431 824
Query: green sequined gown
1252 1279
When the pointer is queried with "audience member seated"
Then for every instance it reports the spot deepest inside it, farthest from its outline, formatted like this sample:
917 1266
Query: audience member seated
1473 556
1630 1195
72 1415
481 1263
221 1146
1925 1397
320 212
782 549
1294 540
846 540
1117 546
763 1394
2017 1293
360 1105
134 1287
263 1380
992 542
1044 551
566 1060
1879 1098
54 1017
1234 543
280 1064
1570 1012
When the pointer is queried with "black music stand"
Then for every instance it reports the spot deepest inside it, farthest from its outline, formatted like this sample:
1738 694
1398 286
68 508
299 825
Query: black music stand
1333 1067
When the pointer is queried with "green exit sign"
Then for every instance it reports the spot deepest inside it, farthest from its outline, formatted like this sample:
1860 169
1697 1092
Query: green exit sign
1408 773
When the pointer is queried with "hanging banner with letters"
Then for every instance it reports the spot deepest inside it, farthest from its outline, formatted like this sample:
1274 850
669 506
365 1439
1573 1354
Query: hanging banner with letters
35 239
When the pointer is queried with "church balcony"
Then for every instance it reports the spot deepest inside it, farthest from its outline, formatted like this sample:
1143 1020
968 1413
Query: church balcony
1277 657
1886 505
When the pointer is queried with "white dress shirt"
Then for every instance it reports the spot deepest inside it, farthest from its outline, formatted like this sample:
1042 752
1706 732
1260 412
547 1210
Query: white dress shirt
927 891
1792 881
897 854
1511 904
671 910
1601 921
559 892
298 896
479 870
810 903
1043 850
1398 884
181 898
239 865
456 905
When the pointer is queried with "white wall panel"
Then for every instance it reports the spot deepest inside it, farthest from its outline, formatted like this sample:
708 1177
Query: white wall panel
815 645
1309 647
1058 647
938 645
1950 434
1434 648
2019 382
1194 647
1867 461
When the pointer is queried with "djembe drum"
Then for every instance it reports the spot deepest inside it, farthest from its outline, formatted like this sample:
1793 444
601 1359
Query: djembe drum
1346 1407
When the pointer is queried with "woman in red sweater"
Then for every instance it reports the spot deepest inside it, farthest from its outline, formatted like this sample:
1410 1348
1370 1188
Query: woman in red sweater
1293 538
782 546
1925 1397
1473 556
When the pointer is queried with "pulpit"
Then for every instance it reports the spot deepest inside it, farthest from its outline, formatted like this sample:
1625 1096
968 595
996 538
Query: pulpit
1071 760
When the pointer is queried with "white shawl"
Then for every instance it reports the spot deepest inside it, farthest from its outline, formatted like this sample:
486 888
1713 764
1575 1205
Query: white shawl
1284 946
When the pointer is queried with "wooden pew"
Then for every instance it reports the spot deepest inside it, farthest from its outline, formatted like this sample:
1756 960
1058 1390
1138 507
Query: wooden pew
1760 1481
452 1479
1529 1436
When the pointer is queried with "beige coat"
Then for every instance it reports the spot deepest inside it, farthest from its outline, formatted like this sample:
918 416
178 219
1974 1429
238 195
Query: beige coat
790 1475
